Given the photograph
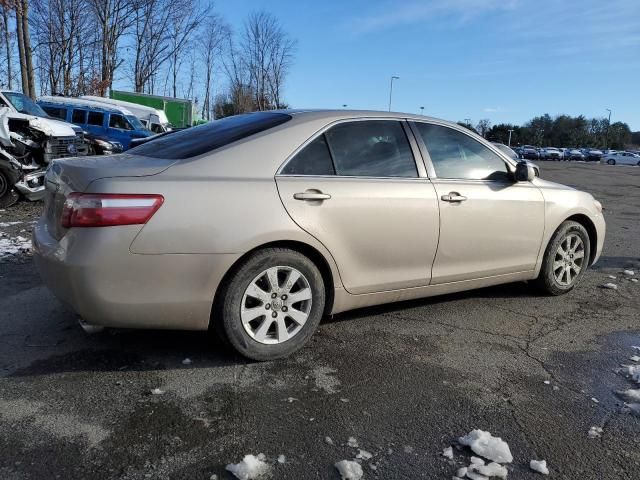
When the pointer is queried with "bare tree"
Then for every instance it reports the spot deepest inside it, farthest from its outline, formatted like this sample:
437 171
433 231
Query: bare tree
215 32
6 39
483 126
267 51
113 18
153 42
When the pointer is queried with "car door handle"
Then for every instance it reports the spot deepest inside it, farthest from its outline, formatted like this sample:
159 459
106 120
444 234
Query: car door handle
453 197
311 196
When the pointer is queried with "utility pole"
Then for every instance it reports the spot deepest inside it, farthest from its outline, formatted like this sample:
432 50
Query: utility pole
467 121
510 132
606 141
393 77
422 111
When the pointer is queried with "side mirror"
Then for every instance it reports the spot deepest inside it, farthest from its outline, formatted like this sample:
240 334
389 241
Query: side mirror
524 172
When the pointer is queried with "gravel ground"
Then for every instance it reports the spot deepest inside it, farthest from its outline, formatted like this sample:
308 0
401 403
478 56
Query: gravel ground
405 380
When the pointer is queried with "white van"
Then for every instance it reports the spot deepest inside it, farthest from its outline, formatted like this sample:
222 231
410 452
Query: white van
152 118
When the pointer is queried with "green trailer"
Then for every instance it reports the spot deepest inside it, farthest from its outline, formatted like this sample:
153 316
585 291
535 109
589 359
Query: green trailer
178 111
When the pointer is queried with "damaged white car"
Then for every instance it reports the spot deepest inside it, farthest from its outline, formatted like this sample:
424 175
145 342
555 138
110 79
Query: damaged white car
29 141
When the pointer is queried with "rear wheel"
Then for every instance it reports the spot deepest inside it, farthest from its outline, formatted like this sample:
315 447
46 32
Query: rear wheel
272 304
565 259
611 161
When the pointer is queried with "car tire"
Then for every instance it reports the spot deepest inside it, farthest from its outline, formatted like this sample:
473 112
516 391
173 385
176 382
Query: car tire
251 285
8 195
611 161
553 278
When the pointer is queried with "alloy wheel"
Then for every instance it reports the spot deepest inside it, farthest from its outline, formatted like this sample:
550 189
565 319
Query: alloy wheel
276 305
569 260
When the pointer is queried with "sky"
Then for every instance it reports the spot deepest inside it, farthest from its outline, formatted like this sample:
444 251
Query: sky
505 60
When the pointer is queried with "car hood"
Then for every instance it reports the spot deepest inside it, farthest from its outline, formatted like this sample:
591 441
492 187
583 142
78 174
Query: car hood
48 126
547 184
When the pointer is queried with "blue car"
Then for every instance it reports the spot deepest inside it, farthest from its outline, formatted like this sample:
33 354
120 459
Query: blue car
114 123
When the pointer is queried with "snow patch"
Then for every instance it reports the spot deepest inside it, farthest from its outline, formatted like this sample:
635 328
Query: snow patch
630 395
487 446
349 470
250 467
187 361
364 455
282 459
595 432
492 470
448 453
352 442
635 358
629 273
14 246
539 466
612 277
610 286
157 391
328 440
631 371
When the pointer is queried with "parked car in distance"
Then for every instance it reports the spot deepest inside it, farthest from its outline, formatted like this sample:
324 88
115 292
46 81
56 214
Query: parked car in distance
552 153
592 154
573 154
514 155
102 146
114 123
529 152
621 158
153 119
257 225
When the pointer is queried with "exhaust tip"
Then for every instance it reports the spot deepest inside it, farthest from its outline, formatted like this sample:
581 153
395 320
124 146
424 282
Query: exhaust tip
89 328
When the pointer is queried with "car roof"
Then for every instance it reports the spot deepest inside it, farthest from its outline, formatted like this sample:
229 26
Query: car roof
80 102
343 114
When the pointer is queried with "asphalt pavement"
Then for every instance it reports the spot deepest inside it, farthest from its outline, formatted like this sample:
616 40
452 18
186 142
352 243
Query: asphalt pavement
404 380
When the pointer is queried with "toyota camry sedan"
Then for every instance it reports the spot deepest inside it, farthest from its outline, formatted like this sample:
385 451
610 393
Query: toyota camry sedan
257 225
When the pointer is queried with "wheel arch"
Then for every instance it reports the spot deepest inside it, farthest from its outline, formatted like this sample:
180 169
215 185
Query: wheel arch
310 252
590 227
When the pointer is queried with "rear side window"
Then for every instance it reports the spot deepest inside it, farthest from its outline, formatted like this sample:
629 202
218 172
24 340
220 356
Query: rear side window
195 141
314 159
96 118
78 116
371 148
56 112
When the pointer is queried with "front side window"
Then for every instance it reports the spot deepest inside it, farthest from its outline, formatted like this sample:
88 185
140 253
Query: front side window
96 118
371 148
456 155
118 121
78 116
314 159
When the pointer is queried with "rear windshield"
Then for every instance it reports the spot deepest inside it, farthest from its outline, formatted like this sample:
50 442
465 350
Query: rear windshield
195 141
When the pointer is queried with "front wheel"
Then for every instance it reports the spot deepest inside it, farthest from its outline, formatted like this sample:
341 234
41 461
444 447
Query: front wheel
272 304
611 161
565 259
7 194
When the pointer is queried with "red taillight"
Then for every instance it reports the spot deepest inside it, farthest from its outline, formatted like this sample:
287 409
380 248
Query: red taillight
108 209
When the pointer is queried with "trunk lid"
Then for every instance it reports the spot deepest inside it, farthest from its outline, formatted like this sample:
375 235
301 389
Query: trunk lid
65 176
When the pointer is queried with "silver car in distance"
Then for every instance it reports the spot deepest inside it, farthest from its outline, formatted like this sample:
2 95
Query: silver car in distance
257 225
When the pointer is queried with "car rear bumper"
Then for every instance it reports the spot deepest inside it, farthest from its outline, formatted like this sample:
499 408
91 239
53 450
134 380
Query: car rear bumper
93 271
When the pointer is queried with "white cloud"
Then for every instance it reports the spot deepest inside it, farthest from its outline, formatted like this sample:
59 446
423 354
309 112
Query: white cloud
491 109
415 11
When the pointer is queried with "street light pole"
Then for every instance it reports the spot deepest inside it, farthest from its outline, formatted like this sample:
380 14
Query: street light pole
510 132
422 111
606 140
393 77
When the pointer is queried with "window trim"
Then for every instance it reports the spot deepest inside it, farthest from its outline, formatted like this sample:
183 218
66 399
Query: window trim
413 124
413 145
